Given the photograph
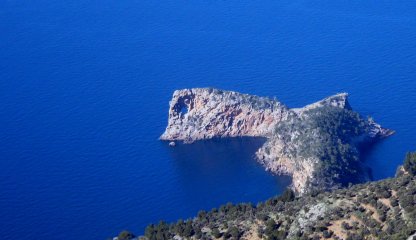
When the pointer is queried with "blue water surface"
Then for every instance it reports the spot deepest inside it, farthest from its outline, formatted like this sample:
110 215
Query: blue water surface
85 85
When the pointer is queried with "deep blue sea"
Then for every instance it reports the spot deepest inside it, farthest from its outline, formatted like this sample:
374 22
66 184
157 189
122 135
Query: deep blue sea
85 86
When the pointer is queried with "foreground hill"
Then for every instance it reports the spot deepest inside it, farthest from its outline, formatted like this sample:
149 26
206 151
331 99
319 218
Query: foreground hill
317 145
376 210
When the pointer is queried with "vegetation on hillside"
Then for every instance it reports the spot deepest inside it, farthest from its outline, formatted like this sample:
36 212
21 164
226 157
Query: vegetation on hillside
375 210
409 164
256 102
331 135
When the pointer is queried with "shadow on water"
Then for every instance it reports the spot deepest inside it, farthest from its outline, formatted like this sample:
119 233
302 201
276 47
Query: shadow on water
367 168
366 151
217 154
218 171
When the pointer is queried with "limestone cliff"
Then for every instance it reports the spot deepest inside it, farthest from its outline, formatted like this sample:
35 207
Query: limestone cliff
204 113
318 145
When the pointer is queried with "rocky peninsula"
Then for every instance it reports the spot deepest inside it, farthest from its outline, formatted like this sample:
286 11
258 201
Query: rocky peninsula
318 145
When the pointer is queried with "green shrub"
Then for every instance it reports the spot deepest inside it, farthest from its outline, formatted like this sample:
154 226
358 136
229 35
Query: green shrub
410 163
232 232
125 235
216 233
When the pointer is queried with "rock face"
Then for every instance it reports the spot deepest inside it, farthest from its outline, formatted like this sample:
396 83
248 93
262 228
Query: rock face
204 113
318 145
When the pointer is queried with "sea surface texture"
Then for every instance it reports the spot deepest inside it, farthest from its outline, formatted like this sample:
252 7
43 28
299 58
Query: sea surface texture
85 86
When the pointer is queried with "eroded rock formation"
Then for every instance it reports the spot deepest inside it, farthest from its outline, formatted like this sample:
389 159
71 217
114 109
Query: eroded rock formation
204 113
318 145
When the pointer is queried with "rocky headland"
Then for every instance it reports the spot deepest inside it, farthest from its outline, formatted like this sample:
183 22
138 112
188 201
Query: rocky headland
318 145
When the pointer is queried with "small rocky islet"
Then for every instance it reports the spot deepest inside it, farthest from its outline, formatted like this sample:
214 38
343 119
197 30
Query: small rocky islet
319 146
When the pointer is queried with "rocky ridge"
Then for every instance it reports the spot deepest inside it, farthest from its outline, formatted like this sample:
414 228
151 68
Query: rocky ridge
318 145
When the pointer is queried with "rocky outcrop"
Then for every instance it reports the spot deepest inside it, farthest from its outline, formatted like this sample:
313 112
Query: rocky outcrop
204 113
317 144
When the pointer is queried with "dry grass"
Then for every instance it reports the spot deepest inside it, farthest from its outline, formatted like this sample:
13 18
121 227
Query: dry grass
375 215
336 226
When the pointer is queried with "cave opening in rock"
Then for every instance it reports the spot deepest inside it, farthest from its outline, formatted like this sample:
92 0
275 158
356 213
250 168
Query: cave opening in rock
184 110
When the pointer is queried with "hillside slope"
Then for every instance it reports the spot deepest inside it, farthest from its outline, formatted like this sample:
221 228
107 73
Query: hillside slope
383 209
377 210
